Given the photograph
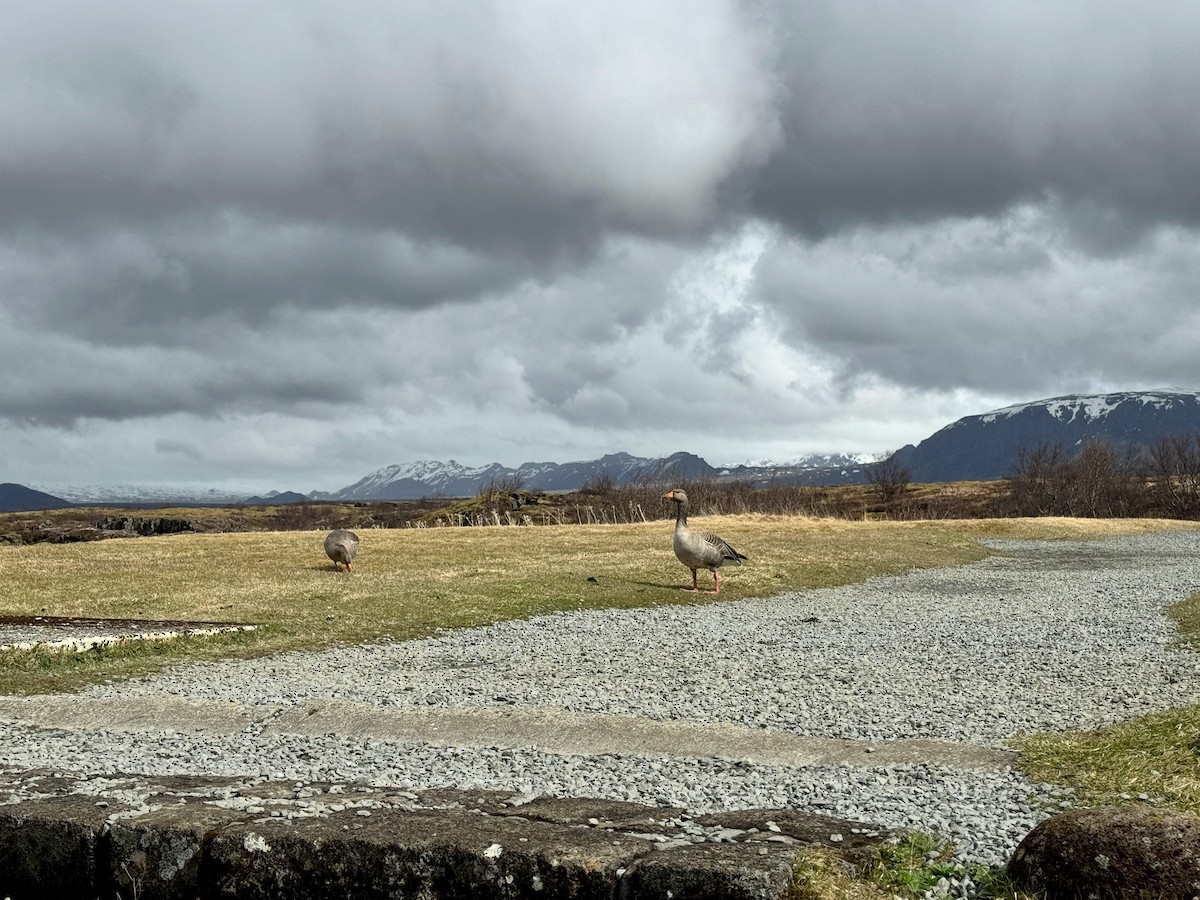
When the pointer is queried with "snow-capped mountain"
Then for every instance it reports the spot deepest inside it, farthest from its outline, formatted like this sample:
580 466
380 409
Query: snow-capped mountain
1091 407
811 461
986 446
420 479
425 478
814 469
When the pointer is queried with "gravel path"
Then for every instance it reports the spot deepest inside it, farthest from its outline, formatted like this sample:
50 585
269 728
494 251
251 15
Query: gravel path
1047 636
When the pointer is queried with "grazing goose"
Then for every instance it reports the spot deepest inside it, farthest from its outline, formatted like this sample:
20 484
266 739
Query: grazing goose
341 545
699 549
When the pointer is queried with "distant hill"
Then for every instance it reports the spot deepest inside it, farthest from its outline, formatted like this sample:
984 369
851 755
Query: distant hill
277 498
985 447
18 498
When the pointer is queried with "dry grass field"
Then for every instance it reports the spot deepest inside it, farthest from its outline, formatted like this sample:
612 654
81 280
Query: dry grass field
409 583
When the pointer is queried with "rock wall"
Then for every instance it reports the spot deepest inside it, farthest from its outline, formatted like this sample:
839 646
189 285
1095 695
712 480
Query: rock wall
182 837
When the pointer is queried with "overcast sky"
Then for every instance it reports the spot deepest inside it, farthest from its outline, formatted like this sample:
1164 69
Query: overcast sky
282 244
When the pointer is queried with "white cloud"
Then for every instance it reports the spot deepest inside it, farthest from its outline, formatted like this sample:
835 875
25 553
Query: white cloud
1007 306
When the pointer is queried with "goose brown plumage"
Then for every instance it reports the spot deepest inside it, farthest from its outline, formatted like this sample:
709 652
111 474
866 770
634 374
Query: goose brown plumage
699 549
341 546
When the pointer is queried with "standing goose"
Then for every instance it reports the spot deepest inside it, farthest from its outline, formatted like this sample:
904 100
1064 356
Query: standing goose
341 545
699 549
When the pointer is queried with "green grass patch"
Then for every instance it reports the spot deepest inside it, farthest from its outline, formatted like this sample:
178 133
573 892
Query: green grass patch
904 870
1156 756
1186 616
913 865
409 583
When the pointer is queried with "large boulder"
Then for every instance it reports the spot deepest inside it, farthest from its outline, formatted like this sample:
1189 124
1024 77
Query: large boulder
1111 852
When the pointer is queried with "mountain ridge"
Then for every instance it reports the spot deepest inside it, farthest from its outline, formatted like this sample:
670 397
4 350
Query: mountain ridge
985 446
423 478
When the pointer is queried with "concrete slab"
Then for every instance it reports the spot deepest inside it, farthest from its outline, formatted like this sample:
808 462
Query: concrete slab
128 714
546 729
556 731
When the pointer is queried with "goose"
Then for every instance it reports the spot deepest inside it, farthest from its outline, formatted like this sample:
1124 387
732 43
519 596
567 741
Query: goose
699 549
341 545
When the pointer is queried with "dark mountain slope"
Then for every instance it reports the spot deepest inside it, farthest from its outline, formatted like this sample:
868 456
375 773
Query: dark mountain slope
984 447
18 498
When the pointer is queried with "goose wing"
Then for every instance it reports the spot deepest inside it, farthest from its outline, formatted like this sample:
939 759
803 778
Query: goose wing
703 548
721 549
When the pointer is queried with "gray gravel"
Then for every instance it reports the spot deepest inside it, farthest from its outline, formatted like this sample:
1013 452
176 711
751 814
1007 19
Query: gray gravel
1047 636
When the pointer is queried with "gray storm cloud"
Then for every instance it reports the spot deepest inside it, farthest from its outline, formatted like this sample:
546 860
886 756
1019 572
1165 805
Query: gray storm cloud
912 112
504 126
496 211
491 125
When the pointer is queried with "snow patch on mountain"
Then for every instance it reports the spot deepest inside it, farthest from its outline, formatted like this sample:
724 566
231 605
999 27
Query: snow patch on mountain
1094 406
429 471
809 461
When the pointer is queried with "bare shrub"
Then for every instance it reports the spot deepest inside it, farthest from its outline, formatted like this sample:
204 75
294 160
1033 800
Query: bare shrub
889 477
502 485
1037 485
601 484
1106 484
1097 482
1174 470
500 494
938 506
299 517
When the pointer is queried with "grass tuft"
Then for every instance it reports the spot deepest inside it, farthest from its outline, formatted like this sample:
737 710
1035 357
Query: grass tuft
1154 757
913 865
908 869
1186 616
820 875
